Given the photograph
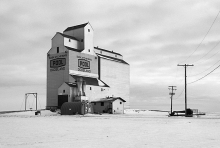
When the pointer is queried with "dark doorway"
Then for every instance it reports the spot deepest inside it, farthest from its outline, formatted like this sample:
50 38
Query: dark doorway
62 99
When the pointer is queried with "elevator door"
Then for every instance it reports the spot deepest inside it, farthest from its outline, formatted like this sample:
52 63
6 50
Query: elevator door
62 99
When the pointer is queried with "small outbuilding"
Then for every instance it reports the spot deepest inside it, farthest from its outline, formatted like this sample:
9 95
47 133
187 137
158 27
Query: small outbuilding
112 105
72 108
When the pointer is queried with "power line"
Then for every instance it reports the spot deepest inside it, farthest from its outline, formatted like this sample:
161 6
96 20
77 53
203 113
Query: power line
207 53
205 70
210 57
202 39
180 93
205 75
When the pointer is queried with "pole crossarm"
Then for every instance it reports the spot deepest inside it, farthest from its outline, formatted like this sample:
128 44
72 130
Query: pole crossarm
172 88
185 65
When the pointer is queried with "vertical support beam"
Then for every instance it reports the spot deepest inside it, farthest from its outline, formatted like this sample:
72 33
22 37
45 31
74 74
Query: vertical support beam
185 91
26 96
185 65
25 101
36 101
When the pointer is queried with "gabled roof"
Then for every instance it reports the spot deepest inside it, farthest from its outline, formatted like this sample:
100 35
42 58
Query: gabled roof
107 51
109 99
67 36
114 59
75 27
71 84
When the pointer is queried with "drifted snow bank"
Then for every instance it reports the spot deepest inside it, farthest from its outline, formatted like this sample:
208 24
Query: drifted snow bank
145 112
30 113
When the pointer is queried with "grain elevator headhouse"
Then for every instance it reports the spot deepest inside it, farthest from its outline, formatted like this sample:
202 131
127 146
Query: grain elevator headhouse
77 71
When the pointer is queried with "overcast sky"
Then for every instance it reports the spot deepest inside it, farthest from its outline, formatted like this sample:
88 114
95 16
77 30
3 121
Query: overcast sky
154 36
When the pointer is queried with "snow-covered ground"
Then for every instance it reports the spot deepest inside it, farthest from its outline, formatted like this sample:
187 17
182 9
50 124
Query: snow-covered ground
135 128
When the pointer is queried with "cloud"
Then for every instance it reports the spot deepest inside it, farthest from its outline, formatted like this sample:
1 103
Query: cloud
153 36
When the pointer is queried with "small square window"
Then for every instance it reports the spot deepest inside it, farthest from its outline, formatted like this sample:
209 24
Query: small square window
89 50
69 40
63 91
120 102
101 52
115 55
102 103
90 88
88 30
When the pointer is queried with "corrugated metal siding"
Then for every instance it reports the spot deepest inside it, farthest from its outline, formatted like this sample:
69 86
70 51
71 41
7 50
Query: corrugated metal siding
117 76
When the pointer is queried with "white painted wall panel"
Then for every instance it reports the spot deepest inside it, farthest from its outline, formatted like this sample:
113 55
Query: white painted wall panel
77 33
118 107
70 43
96 92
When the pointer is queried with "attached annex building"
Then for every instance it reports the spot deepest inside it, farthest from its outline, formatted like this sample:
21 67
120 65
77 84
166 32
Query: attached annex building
78 71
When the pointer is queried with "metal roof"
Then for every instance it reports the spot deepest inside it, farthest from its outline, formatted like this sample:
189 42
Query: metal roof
107 51
109 99
71 84
73 49
90 81
114 59
75 27
67 36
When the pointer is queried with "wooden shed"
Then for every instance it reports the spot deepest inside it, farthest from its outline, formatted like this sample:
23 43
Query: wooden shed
112 105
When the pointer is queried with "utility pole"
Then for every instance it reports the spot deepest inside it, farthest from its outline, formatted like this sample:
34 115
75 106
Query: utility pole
172 93
185 65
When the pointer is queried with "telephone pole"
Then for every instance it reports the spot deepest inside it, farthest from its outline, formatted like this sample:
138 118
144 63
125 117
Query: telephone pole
185 65
172 93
